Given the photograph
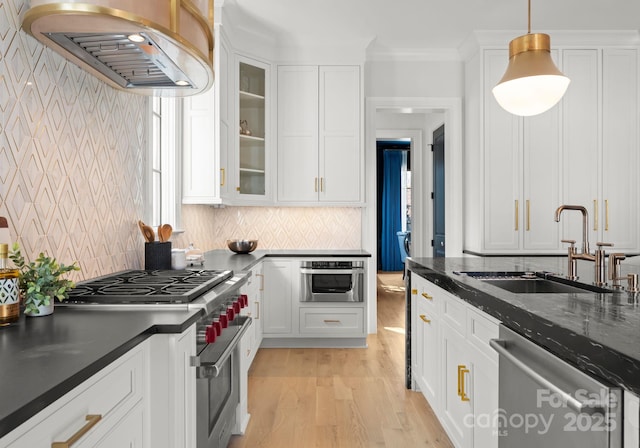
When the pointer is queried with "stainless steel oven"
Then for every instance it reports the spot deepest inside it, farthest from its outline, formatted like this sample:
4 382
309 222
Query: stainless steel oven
216 362
218 372
332 281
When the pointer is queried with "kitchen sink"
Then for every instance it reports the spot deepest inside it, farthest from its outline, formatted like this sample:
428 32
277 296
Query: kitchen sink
533 286
532 282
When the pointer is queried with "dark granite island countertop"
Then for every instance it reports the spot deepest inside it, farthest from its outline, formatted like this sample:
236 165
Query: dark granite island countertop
597 332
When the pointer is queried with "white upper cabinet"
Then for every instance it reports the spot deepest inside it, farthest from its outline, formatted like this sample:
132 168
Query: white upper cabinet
205 135
320 156
600 160
250 164
583 151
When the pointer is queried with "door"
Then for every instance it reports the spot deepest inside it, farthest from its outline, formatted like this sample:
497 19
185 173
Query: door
438 193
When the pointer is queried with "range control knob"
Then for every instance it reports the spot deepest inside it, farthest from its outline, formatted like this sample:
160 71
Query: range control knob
217 326
210 335
244 300
231 314
224 320
237 306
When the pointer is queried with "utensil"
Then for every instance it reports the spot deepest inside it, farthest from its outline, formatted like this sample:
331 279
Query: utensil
147 232
164 232
242 246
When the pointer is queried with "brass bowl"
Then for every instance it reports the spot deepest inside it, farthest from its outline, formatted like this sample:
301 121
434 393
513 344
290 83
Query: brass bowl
242 246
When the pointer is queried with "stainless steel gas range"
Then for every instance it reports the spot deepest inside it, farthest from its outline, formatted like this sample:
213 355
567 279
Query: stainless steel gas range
219 330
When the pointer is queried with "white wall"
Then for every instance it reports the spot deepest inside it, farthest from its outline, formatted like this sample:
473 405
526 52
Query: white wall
429 79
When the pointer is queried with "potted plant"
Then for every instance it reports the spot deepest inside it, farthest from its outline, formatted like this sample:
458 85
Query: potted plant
41 282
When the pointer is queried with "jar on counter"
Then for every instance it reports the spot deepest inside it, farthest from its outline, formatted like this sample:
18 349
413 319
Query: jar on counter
9 289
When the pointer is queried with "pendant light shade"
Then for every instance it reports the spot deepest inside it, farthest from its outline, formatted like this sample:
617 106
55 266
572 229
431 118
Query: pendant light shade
532 83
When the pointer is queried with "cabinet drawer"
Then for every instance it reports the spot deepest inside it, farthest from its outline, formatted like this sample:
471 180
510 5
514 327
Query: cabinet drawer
111 393
481 329
454 311
332 321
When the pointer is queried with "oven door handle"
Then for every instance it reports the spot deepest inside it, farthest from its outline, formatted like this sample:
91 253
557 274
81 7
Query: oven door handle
332 271
213 369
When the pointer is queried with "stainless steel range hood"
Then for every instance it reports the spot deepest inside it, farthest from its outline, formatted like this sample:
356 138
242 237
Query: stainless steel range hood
149 47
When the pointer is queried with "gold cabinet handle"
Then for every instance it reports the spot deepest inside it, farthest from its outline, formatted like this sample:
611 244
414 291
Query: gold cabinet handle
322 184
261 281
414 292
424 319
223 177
92 420
427 296
595 214
462 369
528 215
257 310
331 321
517 213
606 215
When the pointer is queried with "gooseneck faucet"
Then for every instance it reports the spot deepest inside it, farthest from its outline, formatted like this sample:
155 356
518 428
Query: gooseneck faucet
598 258
585 223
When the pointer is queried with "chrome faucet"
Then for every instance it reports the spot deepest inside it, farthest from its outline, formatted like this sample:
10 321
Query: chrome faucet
599 257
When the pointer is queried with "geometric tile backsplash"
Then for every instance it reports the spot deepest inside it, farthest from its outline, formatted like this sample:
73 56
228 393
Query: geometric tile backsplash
72 170
71 156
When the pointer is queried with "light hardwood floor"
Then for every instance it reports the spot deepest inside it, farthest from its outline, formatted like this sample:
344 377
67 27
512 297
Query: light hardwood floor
345 398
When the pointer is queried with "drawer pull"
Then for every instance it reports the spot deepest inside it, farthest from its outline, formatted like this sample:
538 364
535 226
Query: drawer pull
414 292
331 321
427 296
424 319
92 420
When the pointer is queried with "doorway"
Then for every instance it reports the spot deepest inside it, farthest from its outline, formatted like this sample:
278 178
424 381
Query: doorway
393 169
450 110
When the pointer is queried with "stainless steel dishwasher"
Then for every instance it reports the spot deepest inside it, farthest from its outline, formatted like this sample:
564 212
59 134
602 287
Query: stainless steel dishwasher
546 402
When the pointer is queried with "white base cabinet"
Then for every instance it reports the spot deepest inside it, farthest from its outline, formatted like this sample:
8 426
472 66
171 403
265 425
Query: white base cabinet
631 420
111 404
288 322
453 365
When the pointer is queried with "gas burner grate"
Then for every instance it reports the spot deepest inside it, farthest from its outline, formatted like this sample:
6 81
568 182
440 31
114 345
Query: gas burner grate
138 286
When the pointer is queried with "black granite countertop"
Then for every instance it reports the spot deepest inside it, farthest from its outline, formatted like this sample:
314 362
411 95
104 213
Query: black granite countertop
225 259
597 332
43 358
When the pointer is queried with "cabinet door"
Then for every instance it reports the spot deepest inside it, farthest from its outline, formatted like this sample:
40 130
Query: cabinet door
224 110
252 161
456 387
502 165
428 351
277 303
580 131
541 176
298 133
339 139
619 213
199 159
128 432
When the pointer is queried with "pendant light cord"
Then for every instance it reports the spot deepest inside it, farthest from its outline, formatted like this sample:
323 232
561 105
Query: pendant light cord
529 19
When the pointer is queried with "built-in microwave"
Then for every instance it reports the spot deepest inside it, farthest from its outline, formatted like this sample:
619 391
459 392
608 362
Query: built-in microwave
332 281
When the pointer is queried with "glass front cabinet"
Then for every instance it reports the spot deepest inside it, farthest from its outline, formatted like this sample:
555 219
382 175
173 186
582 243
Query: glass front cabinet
251 164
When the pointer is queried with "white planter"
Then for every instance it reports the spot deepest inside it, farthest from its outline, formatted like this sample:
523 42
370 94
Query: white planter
43 310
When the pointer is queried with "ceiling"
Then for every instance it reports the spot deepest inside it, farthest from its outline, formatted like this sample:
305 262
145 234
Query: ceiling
421 24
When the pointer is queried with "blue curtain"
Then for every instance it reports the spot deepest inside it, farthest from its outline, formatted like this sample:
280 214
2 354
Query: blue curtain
391 213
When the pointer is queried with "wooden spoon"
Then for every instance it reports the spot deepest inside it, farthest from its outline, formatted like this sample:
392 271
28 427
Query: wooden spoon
164 232
147 232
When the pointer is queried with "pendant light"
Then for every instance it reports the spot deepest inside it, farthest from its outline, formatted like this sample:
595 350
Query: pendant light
532 83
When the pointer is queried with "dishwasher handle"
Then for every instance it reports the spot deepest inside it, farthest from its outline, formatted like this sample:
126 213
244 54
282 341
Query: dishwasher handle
587 407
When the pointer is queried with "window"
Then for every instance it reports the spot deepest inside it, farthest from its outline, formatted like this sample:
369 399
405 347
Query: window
163 171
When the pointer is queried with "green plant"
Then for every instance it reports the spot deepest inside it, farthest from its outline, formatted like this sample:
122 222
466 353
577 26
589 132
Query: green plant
41 280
